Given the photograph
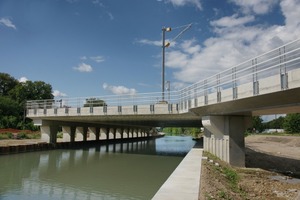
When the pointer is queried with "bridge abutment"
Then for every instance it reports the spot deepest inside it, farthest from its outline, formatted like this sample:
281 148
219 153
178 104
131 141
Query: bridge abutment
224 137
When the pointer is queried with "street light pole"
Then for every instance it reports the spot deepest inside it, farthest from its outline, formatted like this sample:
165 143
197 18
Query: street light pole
164 45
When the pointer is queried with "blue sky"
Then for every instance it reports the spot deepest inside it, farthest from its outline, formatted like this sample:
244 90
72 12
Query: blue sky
103 47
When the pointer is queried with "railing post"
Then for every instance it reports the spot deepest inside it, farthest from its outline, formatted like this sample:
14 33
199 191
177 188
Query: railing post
255 77
205 92
218 89
283 74
234 84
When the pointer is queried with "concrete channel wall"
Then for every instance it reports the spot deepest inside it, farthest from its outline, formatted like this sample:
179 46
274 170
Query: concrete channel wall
184 182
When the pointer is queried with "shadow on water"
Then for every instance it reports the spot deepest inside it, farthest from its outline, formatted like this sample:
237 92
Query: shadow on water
286 166
164 146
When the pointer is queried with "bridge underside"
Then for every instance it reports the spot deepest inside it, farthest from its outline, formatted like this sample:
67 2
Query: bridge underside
175 120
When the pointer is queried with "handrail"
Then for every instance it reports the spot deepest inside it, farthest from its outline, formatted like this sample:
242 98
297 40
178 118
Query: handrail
275 62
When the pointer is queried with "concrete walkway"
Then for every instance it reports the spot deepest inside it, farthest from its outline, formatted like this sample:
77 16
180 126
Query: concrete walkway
184 182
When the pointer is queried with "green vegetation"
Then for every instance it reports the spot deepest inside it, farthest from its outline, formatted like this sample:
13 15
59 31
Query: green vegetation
174 131
13 97
290 123
227 176
94 102
20 135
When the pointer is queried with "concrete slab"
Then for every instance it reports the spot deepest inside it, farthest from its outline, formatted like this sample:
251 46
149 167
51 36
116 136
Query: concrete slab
184 182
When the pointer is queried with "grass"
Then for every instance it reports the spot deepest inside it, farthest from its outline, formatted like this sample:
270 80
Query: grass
231 177
224 195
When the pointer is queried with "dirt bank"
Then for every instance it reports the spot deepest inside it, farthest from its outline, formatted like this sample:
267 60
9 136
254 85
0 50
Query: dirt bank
272 170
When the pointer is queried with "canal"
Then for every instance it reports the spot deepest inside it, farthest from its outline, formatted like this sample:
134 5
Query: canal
132 170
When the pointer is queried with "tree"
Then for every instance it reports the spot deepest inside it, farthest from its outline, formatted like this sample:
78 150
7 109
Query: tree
257 124
8 106
10 113
7 83
37 90
94 102
292 123
13 96
275 123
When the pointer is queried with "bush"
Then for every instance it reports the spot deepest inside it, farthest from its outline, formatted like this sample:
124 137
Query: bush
20 135
5 136
292 123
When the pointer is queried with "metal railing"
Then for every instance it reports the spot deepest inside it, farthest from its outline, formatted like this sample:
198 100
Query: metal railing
275 62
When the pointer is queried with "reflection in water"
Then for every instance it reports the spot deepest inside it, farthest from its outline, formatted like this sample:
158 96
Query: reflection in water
132 170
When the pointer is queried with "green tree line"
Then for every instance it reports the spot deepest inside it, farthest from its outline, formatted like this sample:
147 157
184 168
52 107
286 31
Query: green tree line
13 97
290 123
192 131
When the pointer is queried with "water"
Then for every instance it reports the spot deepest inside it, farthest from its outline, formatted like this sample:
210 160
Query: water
133 170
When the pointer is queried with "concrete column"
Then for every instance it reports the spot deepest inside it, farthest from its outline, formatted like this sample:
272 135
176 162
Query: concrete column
92 133
49 133
112 133
97 133
122 132
107 133
79 134
66 133
103 133
224 137
118 133
130 133
139 132
134 135
85 133
126 133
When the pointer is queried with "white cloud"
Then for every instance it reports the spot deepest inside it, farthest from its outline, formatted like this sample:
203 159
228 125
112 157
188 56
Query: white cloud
232 21
97 2
176 59
97 59
234 42
57 93
110 15
7 22
72 1
82 67
119 90
255 6
196 3
149 42
23 79
291 11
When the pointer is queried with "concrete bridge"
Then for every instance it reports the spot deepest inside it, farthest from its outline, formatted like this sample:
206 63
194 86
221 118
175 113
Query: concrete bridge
225 102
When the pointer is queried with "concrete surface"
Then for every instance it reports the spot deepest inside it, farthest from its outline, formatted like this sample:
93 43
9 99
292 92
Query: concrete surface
184 182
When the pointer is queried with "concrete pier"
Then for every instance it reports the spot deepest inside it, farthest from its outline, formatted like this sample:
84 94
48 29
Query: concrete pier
224 137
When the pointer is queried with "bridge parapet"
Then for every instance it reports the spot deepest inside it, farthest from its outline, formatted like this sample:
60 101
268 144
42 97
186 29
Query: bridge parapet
158 109
274 71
